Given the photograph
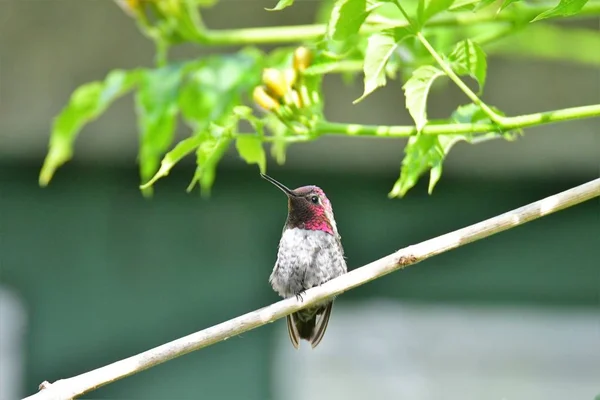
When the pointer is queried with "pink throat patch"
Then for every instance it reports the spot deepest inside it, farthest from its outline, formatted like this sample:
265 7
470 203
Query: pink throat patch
319 225
318 221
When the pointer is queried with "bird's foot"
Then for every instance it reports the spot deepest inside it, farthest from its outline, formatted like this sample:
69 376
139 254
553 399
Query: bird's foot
299 295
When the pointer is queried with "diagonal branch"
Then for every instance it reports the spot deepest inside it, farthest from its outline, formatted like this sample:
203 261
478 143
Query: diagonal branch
80 384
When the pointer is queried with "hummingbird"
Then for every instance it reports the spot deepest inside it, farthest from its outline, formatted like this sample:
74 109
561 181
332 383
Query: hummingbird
310 253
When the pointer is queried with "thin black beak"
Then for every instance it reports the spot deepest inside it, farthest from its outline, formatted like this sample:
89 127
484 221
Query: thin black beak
284 188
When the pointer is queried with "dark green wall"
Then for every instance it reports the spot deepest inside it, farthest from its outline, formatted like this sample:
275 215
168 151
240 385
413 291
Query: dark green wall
106 274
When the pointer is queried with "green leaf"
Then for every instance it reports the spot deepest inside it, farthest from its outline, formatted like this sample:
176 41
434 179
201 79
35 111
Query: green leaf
216 85
157 109
423 152
86 104
380 48
416 90
564 9
468 58
251 150
208 156
346 19
483 4
279 144
182 149
433 7
281 4
470 113
507 3
468 5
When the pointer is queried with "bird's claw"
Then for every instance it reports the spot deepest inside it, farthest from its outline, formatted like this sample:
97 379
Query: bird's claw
299 296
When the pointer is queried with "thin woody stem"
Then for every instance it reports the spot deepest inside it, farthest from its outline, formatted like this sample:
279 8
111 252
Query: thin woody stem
68 388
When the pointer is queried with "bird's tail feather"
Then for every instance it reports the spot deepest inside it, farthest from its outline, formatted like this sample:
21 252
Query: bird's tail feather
311 329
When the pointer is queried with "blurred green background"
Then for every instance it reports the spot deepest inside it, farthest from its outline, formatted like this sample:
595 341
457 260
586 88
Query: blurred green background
92 273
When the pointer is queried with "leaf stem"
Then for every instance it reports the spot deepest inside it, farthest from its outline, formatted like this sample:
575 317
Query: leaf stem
462 86
300 33
522 121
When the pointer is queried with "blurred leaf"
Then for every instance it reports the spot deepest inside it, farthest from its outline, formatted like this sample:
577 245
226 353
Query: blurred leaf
551 42
216 85
470 5
279 131
86 103
207 93
157 109
325 7
564 9
208 156
251 150
470 113
433 7
380 48
245 113
281 4
386 13
346 19
182 149
416 90
463 5
483 4
468 58
507 3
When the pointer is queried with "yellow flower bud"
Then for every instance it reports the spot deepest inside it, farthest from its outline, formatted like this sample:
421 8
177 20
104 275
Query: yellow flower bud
275 82
302 58
261 98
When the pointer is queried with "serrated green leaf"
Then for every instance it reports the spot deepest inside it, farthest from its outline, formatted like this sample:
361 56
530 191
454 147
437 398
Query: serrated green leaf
416 90
281 4
433 7
380 48
346 19
208 155
468 58
251 150
423 152
182 149
87 103
157 108
564 8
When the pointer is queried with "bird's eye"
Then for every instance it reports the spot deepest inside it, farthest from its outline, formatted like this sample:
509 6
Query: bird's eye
315 199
